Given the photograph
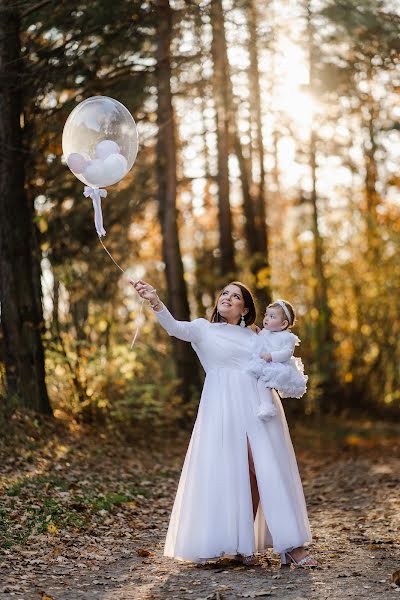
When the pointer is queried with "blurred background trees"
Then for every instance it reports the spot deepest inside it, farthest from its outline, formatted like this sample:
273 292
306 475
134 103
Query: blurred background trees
269 152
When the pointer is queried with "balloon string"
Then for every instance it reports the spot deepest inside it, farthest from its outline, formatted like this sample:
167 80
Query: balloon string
138 323
114 261
137 320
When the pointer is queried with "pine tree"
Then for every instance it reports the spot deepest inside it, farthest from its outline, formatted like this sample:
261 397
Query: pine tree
21 311
186 363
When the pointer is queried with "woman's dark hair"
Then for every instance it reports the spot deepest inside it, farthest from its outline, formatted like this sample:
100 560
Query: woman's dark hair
250 317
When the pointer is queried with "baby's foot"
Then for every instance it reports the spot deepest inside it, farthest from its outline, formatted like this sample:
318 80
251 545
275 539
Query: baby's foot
266 413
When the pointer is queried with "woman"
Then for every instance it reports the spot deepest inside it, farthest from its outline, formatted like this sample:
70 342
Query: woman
240 490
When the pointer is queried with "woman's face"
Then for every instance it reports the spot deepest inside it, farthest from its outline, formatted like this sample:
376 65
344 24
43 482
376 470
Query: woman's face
230 304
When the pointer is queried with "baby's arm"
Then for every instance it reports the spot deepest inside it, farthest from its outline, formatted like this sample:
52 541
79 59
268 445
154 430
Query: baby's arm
262 348
286 352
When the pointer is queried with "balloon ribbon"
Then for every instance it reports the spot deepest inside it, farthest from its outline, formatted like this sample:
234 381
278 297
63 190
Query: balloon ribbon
96 194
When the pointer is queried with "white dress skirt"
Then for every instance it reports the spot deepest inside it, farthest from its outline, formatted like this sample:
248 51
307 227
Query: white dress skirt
212 514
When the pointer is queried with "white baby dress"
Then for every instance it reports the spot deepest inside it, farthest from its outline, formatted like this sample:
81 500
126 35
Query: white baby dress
284 372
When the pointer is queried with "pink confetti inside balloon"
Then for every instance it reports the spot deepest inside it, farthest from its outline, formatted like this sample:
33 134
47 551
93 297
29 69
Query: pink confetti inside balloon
77 162
105 148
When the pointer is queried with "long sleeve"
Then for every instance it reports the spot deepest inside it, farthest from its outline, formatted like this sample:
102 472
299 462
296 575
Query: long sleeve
286 351
188 331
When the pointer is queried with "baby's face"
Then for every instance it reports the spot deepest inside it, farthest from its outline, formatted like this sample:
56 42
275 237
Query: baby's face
274 319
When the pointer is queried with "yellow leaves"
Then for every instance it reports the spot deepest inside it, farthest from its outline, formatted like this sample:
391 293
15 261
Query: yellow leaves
51 528
144 553
263 278
357 441
126 369
348 377
103 403
391 397
372 353
353 325
102 325
365 329
43 225
345 349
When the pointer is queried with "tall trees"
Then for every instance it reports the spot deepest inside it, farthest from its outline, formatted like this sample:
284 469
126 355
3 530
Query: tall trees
260 259
223 109
323 336
364 37
167 188
229 140
344 229
21 317
370 53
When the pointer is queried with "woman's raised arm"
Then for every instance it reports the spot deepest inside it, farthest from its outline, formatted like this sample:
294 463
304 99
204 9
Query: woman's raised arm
188 331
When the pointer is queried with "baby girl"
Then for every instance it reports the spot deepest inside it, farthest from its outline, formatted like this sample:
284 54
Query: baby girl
273 361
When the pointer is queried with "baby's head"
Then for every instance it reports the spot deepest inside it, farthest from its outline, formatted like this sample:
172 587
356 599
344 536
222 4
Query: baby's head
279 315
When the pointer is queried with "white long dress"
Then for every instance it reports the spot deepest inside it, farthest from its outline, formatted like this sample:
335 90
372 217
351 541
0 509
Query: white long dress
212 514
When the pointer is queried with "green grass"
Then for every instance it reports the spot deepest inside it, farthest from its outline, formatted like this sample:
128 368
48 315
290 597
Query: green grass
23 487
36 503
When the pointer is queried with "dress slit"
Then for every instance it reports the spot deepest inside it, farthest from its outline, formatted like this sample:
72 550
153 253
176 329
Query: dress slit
255 492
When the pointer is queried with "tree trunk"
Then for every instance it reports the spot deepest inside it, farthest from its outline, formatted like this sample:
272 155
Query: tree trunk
260 261
21 312
371 177
255 106
248 201
186 362
224 121
323 338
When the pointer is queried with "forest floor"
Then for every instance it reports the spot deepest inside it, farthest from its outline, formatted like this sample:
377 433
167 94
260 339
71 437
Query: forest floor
84 517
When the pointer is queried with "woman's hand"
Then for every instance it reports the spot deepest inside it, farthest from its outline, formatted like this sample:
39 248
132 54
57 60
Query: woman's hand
266 356
146 291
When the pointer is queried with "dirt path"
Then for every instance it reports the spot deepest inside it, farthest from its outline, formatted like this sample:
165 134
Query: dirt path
97 523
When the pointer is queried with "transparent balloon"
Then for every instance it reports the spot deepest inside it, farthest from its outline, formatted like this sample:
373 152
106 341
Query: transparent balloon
100 141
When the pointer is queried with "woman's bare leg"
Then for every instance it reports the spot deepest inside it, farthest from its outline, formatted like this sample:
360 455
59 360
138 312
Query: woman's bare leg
255 495
297 553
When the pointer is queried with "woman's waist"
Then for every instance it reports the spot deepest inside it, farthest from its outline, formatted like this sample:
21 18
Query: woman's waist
232 370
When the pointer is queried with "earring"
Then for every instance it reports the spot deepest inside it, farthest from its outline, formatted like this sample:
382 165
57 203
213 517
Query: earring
242 322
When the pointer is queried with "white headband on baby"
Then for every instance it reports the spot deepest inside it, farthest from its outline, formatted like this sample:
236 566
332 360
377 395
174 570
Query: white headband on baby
285 310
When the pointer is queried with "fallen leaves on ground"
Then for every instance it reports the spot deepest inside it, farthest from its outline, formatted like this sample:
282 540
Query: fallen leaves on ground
86 517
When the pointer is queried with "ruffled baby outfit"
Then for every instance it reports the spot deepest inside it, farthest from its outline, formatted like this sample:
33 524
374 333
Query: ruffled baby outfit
285 373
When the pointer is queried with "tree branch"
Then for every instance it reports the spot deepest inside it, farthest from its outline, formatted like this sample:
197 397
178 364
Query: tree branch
35 7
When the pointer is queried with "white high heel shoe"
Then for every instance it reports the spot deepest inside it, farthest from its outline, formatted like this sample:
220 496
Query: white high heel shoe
307 562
